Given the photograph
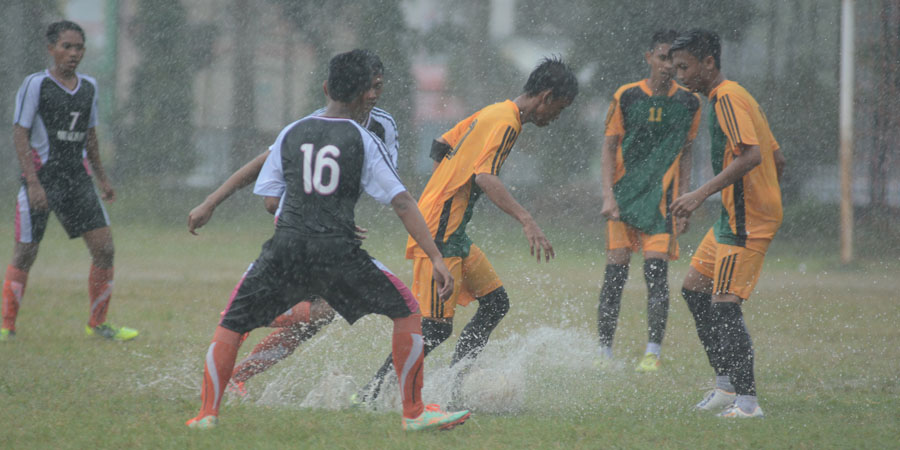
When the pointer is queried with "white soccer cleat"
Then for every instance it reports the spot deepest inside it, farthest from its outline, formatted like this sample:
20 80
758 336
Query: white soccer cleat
716 400
734 412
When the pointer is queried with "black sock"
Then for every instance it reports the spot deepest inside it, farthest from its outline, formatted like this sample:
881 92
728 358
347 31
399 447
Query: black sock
433 334
656 272
473 338
610 301
700 305
737 348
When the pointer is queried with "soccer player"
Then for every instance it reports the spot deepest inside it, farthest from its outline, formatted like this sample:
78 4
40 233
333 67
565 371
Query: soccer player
326 162
306 318
468 159
725 268
646 162
55 137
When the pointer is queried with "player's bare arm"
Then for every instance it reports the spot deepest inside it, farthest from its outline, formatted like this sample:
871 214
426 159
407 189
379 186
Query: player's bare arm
780 163
496 191
37 198
608 170
744 162
247 174
684 179
408 211
92 146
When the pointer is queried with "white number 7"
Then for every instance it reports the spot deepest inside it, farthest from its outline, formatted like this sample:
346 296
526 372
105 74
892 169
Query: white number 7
74 115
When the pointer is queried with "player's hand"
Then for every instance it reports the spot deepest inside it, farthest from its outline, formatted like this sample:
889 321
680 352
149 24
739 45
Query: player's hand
361 232
441 274
199 216
610 209
686 204
106 191
37 197
682 225
537 241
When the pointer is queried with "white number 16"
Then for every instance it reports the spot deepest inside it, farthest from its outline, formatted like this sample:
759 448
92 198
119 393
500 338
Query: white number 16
312 172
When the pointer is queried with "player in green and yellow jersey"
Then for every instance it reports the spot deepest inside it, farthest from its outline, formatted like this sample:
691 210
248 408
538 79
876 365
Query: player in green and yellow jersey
646 164
726 266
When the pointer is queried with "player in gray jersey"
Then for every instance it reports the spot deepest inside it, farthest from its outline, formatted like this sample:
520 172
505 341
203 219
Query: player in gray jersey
327 162
306 318
56 144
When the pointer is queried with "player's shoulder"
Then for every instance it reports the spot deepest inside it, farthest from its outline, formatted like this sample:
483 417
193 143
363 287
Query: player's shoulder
733 93
87 79
500 113
631 88
35 79
382 116
685 96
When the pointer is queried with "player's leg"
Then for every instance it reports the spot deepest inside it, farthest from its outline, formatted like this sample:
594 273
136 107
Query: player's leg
294 327
697 291
620 241
29 230
437 316
736 276
481 281
257 299
656 274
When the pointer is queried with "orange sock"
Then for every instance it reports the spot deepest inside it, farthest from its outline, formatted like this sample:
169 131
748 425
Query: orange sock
13 290
100 284
217 370
409 358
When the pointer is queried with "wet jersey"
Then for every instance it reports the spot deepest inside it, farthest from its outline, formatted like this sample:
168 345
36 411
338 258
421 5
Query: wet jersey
653 130
479 144
58 120
322 165
751 207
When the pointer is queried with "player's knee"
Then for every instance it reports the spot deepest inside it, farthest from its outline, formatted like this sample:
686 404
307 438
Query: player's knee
24 255
496 303
103 254
320 313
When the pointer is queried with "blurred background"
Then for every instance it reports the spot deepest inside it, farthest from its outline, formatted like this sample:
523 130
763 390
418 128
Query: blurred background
192 89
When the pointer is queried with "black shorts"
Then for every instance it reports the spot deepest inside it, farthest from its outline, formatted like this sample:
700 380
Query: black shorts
292 268
75 202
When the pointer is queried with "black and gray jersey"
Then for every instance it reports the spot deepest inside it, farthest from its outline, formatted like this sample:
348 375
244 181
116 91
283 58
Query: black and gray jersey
58 120
321 165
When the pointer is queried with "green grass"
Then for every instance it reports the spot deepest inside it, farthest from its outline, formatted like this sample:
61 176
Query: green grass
825 337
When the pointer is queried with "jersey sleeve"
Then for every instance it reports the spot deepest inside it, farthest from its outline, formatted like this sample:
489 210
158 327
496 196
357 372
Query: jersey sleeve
379 178
735 119
27 100
392 141
93 121
270 182
494 149
615 123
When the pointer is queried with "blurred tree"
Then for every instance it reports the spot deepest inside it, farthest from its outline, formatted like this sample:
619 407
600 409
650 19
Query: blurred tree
244 139
23 50
156 138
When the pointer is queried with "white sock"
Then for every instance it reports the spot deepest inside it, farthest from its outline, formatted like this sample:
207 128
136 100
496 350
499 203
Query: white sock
723 382
606 352
653 348
747 403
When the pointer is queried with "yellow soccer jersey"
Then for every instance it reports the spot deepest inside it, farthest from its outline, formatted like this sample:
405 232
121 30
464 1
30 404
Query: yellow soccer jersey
751 207
480 144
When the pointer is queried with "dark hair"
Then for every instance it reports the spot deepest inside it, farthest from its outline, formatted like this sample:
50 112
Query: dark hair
700 43
552 73
57 28
663 37
374 62
349 75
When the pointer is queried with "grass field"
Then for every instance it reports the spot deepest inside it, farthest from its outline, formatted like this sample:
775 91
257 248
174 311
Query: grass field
826 342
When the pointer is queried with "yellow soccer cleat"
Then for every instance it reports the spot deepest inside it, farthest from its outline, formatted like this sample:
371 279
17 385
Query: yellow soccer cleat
434 418
110 332
6 335
650 363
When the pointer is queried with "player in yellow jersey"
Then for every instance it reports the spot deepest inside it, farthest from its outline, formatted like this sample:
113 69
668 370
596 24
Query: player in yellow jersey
646 163
468 159
725 267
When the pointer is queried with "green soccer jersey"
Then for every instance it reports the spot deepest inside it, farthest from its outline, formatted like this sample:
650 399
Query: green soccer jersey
654 129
